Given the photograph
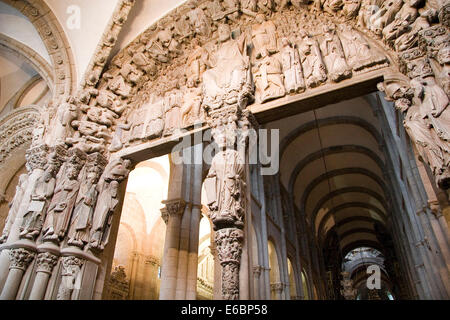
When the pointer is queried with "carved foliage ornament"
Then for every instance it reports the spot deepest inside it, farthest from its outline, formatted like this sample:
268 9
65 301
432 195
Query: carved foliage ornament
20 258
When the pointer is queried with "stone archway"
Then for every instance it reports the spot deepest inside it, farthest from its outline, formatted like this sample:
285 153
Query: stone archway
270 62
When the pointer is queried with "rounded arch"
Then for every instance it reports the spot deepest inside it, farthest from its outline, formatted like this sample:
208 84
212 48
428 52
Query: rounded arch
292 274
274 272
55 41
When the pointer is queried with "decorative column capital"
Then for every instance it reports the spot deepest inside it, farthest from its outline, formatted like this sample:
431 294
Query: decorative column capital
257 271
70 262
20 258
435 208
277 287
46 261
173 208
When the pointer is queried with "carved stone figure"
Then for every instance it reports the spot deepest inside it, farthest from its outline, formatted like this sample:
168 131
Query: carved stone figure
248 6
224 182
384 16
173 102
229 81
332 6
265 6
84 206
264 36
63 201
410 39
107 99
311 58
40 198
333 56
292 68
269 80
196 64
358 52
443 58
199 21
163 46
108 185
118 85
351 8
147 121
347 290
403 19
101 116
14 206
191 108
66 113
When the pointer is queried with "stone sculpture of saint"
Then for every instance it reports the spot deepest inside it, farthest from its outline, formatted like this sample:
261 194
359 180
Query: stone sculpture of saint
224 184
269 78
61 206
14 206
84 206
229 81
66 113
403 19
107 201
40 199
311 58
333 55
264 35
292 68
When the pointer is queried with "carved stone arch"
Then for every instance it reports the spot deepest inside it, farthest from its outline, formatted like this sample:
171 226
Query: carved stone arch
284 144
344 206
362 243
338 172
338 192
328 151
41 66
55 40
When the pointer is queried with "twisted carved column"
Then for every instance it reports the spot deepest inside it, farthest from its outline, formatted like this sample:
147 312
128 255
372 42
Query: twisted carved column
20 260
46 261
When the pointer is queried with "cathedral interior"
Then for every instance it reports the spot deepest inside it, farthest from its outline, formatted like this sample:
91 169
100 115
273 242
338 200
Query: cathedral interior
224 150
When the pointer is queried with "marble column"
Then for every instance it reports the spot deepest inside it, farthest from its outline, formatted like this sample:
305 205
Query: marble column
172 215
20 259
45 261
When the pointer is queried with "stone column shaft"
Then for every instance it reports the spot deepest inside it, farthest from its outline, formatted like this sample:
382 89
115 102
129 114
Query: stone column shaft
20 260
45 264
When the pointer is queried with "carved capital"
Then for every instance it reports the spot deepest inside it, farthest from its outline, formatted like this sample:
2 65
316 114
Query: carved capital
173 208
414 63
277 287
37 157
257 271
71 265
46 261
20 258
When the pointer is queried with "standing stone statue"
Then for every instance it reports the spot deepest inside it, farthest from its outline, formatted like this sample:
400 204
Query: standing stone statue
229 81
66 113
410 39
173 101
333 55
196 63
63 201
269 80
40 199
292 68
403 19
107 201
311 58
224 182
14 206
84 206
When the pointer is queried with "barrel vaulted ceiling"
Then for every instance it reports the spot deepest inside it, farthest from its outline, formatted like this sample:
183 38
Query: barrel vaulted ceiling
332 164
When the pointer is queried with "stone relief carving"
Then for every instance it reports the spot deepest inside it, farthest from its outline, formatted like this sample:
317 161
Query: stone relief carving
269 78
81 222
41 195
46 262
347 286
229 81
14 206
333 55
311 58
292 68
107 188
71 267
64 197
20 258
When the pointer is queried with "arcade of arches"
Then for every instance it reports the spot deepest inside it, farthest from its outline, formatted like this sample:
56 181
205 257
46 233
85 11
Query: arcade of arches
204 149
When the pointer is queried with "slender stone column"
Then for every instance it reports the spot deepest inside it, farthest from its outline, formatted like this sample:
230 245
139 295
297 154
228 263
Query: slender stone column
46 261
171 214
20 259
256 276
